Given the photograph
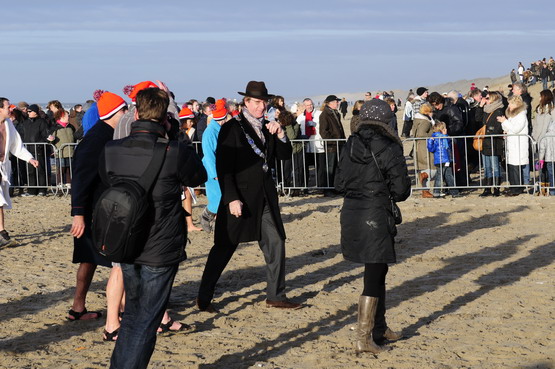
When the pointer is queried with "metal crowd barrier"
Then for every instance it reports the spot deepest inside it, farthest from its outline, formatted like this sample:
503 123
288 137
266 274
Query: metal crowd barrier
313 162
469 166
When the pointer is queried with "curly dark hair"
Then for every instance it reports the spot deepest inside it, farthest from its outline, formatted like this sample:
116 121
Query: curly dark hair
286 118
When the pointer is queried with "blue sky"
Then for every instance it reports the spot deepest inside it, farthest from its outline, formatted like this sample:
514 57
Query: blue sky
67 49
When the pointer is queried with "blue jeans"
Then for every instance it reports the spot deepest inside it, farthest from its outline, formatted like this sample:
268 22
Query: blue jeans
491 166
444 173
525 174
550 173
147 291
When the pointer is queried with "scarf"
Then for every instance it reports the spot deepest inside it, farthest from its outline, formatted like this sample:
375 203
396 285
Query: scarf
309 130
489 108
255 123
63 124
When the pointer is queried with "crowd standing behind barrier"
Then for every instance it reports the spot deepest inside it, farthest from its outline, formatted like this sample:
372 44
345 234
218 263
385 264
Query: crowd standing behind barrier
306 179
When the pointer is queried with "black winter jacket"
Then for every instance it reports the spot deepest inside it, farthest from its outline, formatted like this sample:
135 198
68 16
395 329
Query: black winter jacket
493 146
35 130
128 158
452 117
367 225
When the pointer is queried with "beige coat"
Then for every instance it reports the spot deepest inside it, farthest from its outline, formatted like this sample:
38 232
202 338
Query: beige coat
422 127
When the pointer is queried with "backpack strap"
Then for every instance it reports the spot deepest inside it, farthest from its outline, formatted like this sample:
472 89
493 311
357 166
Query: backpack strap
153 169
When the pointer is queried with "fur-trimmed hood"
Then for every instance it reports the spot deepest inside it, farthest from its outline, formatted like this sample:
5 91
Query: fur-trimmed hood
514 113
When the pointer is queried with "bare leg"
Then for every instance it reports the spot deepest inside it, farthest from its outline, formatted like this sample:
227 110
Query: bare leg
85 273
176 326
1 218
188 206
114 295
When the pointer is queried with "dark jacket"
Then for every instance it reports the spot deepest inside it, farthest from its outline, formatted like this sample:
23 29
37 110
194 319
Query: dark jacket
493 146
35 130
242 177
128 158
528 101
367 225
452 117
86 186
464 108
331 127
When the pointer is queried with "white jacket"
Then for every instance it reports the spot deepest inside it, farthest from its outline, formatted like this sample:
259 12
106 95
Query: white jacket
517 146
315 144
15 146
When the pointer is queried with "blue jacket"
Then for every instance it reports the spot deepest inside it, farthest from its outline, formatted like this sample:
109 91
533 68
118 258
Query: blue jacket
440 145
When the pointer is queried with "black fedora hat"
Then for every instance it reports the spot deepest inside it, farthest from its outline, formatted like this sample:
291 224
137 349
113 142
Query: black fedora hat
256 90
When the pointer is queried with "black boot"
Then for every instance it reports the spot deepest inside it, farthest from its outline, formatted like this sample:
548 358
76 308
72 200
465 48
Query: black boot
496 190
487 192
381 332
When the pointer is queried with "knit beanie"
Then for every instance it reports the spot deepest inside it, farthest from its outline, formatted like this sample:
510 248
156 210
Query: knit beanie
109 104
376 110
186 113
220 112
132 91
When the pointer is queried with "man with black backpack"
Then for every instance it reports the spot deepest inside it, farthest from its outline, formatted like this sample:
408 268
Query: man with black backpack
149 267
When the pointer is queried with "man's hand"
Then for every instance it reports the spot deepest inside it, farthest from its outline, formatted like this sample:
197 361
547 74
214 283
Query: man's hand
78 226
34 163
236 208
275 127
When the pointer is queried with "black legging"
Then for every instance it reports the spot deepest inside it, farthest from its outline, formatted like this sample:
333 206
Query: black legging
374 278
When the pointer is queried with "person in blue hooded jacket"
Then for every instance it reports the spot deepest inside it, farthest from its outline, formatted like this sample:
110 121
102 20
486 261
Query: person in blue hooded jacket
441 146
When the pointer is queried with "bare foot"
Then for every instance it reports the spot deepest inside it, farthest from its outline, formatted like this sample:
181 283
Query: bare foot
193 228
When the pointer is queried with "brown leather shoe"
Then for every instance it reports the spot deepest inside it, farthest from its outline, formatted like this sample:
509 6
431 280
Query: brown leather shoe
285 304
427 194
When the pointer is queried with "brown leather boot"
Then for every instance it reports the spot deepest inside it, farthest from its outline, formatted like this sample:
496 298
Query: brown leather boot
367 307
423 178
427 194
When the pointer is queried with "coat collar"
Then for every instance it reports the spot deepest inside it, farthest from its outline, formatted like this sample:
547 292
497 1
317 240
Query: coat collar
150 127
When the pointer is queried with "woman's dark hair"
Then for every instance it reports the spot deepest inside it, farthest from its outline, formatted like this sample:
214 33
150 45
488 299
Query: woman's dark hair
286 118
546 102
436 98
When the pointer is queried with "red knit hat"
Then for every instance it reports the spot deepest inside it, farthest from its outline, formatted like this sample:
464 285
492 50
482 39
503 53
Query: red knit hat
186 113
138 87
109 104
220 112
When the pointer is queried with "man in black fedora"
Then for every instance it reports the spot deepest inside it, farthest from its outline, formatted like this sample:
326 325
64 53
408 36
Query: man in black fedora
247 148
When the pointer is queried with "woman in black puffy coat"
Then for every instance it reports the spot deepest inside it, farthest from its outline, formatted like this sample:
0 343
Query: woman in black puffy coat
372 168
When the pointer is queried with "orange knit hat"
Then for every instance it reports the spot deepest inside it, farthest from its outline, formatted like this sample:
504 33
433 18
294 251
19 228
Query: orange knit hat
109 104
220 112
138 87
186 113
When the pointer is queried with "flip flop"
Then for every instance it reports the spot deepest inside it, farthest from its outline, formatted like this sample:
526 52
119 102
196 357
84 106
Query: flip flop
185 328
79 315
110 336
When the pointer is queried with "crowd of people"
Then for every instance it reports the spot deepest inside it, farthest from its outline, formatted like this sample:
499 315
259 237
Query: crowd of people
245 149
513 135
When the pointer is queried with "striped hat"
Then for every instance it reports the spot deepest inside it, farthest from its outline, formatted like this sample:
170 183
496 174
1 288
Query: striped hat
220 112
186 113
109 104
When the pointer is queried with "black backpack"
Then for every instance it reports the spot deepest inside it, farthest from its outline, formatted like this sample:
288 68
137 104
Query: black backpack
119 226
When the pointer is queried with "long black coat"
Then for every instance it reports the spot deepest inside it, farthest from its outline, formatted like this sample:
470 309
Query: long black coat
367 225
241 177
129 158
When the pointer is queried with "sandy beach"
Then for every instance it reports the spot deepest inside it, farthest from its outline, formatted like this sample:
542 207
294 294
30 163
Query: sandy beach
473 288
